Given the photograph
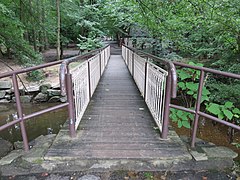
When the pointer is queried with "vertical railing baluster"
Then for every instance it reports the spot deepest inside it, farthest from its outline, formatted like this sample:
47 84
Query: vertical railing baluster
89 79
133 64
100 63
20 112
146 80
197 109
71 108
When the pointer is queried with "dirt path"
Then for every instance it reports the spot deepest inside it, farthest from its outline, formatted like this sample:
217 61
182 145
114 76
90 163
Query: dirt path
50 73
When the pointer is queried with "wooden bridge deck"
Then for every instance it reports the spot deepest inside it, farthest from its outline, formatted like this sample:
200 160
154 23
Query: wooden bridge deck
117 125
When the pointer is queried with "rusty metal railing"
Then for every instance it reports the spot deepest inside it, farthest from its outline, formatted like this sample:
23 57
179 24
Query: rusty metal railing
156 85
21 118
66 80
80 82
197 112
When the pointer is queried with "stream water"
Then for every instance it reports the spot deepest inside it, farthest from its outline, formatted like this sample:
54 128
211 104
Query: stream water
45 124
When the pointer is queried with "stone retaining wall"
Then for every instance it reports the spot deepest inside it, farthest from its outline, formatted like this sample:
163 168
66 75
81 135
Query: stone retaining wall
38 94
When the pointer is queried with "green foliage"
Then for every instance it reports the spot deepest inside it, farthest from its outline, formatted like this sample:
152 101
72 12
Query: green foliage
35 75
204 29
148 176
11 37
188 85
226 112
188 88
89 43
181 118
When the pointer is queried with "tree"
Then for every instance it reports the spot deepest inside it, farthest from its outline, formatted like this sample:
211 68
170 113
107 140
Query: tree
58 28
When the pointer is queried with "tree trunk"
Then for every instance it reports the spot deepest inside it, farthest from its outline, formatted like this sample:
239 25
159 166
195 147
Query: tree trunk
44 35
58 29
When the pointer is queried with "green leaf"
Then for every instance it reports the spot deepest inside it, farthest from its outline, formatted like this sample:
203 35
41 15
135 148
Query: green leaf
180 124
205 91
182 85
190 92
204 98
228 113
190 116
214 108
236 116
186 124
179 113
236 111
192 86
221 115
228 104
183 75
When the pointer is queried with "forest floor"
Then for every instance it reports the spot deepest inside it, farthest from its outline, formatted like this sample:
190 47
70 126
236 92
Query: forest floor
51 74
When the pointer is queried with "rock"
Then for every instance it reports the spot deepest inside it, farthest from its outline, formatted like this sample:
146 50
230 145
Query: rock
53 92
54 99
18 145
2 94
41 97
8 97
89 177
63 99
219 152
11 157
57 177
199 156
43 88
5 147
32 89
24 99
4 101
5 85
9 91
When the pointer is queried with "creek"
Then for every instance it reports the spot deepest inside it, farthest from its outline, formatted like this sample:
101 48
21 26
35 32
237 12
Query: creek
49 123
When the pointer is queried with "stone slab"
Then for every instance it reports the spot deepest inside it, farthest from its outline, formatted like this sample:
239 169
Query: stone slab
11 157
219 152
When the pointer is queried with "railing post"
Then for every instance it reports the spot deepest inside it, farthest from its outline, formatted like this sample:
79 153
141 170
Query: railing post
20 112
71 108
167 106
146 79
89 79
197 109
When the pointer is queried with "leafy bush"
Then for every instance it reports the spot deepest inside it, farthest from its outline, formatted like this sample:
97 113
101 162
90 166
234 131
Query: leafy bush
188 88
89 43
226 112
35 75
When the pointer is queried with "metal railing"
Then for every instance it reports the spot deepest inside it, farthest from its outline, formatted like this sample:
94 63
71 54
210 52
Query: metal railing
65 81
21 118
156 85
197 112
80 83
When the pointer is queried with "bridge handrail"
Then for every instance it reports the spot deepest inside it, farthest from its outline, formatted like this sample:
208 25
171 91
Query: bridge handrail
197 112
64 68
21 117
171 68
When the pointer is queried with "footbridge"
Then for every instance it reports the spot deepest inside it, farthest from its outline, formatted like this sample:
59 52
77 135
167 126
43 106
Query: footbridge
118 107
